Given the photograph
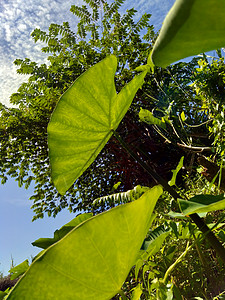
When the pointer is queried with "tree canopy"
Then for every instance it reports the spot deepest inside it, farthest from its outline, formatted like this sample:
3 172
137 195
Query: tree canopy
101 30
176 116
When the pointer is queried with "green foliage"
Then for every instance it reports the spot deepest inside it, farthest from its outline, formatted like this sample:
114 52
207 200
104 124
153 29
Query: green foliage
189 28
136 293
5 285
2 295
155 240
90 257
120 198
44 243
209 87
19 270
78 130
177 263
23 130
94 259
202 203
147 117
175 172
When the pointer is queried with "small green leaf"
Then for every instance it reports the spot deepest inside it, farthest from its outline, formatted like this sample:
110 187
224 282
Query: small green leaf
116 185
177 215
173 214
142 68
221 235
44 243
183 117
2 295
137 292
154 242
84 120
202 204
190 28
165 291
93 260
147 117
175 172
19 270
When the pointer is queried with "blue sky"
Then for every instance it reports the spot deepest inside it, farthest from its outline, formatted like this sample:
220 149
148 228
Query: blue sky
16 229
18 18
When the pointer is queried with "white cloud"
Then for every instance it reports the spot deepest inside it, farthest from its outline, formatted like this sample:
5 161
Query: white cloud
18 18
10 80
22 27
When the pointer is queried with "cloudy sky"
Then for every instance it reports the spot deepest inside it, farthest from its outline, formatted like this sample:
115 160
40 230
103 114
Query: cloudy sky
18 18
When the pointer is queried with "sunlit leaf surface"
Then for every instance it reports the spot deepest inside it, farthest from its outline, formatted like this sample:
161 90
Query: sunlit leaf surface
190 28
202 204
93 260
84 118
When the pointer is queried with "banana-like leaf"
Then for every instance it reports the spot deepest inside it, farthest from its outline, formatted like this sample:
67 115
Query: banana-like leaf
122 197
202 204
84 120
190 28
155 240
44 243
93 260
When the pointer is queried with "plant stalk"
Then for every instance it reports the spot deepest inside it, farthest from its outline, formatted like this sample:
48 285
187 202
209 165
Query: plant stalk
169 270
215 243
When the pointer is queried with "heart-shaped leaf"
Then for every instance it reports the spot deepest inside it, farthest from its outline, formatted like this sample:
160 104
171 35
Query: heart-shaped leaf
93 260
84 120
202 204
190 28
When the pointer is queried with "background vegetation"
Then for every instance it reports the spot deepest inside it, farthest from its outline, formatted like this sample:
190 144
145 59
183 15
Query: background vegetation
187 99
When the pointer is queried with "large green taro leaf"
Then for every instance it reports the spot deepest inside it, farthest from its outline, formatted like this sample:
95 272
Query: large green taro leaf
93 260
190 28
84 119
202 204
